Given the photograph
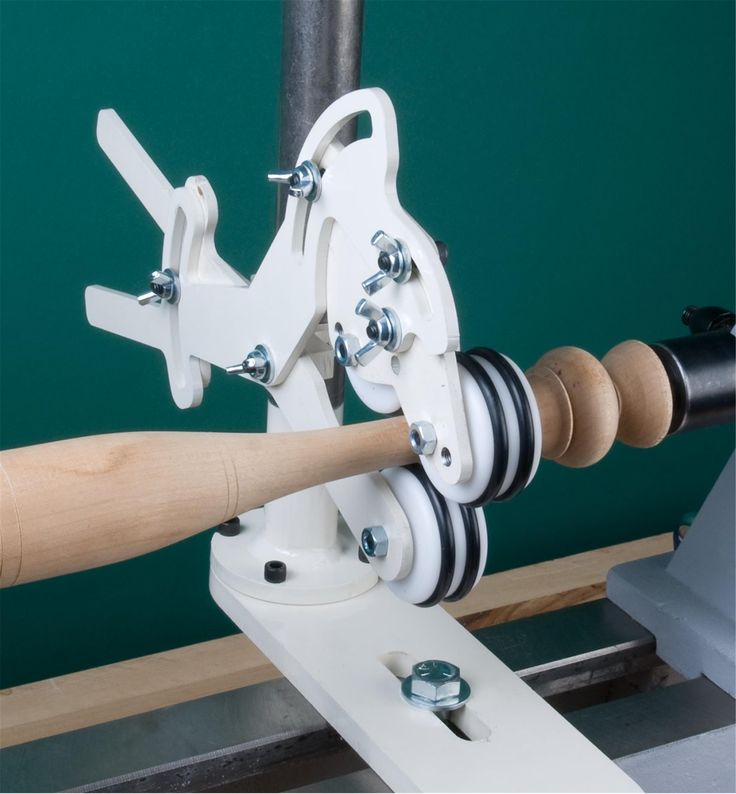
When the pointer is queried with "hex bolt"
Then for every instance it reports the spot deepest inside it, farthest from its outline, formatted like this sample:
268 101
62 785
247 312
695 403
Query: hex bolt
304 181
163 285
374 541
257 364
435 685
422 438
346 346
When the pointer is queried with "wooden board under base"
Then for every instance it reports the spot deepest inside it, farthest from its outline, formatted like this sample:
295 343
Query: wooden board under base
135 686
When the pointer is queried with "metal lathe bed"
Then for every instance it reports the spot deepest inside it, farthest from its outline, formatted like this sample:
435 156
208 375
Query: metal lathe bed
592 662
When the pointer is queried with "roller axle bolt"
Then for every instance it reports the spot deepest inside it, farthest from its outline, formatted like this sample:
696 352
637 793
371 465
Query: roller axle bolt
374 542
422 438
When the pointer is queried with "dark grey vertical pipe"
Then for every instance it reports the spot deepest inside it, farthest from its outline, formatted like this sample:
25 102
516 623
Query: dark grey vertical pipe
320 61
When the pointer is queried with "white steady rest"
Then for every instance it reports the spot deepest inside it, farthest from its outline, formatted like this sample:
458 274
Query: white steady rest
346 648
220 315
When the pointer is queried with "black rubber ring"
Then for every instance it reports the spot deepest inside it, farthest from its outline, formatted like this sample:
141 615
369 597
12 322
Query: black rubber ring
472 554
523 413
498 425
447 537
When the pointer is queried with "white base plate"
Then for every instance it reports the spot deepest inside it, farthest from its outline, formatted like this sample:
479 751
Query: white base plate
313 575
345 658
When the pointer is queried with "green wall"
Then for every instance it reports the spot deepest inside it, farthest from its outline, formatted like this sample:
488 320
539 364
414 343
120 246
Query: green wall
578 159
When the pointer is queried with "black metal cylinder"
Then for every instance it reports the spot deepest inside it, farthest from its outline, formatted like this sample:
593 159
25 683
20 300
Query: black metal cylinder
702 372
321 49
320 61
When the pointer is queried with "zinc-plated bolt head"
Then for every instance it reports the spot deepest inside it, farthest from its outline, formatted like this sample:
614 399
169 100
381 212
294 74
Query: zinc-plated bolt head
346 346
435 685
423 438
394 263
383 330
163 285
374 542
394 259
257 364
304 181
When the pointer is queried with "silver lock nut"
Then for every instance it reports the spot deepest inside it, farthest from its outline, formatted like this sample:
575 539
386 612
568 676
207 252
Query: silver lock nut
374 541
346 346
422 438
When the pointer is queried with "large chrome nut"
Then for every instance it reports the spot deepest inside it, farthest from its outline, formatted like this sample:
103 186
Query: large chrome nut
422 438
435 685
346 346
374 542
435 680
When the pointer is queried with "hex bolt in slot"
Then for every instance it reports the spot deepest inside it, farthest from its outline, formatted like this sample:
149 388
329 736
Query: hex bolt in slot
274 571
304 181
257 364
435 685
374 542
163 286
422 438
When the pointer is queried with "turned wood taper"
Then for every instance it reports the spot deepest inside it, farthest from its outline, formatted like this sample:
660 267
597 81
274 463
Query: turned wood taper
71 505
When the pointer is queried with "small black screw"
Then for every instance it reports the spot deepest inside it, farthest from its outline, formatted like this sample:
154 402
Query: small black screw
274 571
230 528
687 314
707 318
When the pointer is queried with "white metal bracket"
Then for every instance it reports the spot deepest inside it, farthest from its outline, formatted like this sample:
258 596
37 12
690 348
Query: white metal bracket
317 262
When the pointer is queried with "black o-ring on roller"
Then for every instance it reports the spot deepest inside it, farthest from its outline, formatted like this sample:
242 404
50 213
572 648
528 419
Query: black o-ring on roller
498 427
702 373
524 416
447 537
472 554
